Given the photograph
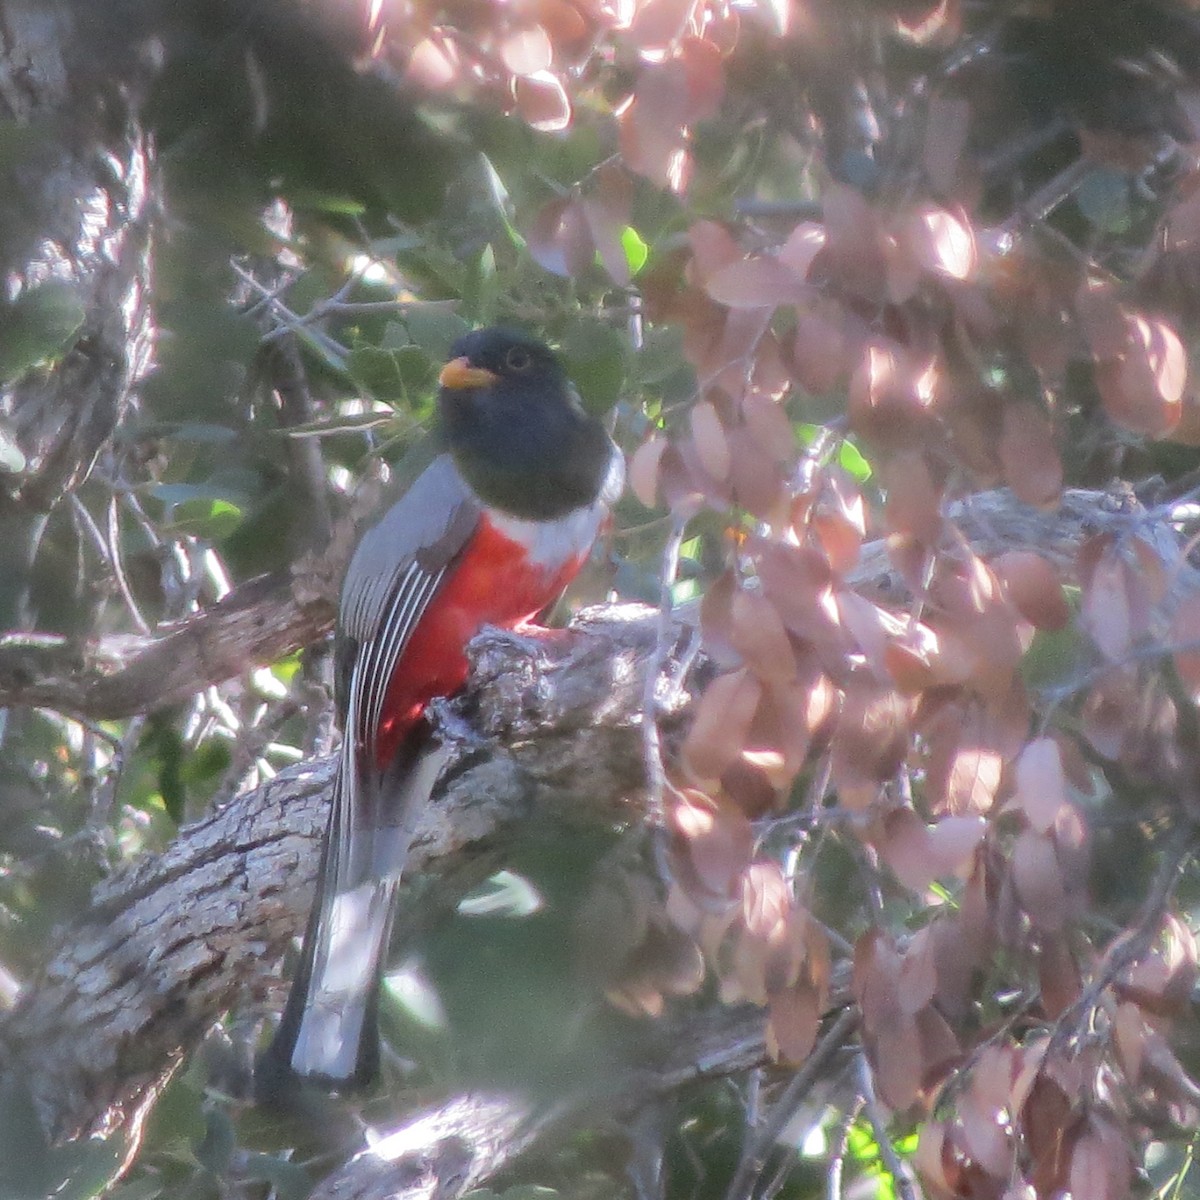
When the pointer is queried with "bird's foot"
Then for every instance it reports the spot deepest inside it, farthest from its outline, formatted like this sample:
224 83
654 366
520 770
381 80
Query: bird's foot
449 726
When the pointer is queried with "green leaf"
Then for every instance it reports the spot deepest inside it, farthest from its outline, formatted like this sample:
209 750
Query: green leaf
1052 656
435 328
39 328
286 668
1103 198
204 518
505 894
326 202
389 375
215 1149
636 251
204 432
30 1169
289 1180
851 460
594 355
208 762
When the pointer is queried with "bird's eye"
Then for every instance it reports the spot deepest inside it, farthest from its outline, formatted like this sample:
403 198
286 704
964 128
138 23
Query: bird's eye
517 358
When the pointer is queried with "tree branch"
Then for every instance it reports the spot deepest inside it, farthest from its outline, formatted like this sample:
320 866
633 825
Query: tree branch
445 1150
121 676
185 936
275 615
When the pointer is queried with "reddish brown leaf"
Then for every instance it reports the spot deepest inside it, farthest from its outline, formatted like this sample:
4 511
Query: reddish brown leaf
1102 319
569 31
1029 456
762 282
913 504
916 984
722 723
968 777
797 579
872 627
912 661
942 242
854 258
1033 587
936 1162
1142 388
643 469
801 247
939 1047
660 23
840 521
782 730
1110 713
890 393
766 902
717 840
704 74
952 841
1058 976
708 433
1041 787
768 425
1130 1035
869 742
875 974
824 351
793 1019
983 1111
712 248
716 619
946 123
758 635
905 848
1101 1168
1107 610
1039 882
434 63
606 229
653 129
560 240
527 51
1185 634
899 1068
1162 981
543 103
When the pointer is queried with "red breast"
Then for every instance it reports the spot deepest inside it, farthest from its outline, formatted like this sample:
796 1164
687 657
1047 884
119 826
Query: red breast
508 573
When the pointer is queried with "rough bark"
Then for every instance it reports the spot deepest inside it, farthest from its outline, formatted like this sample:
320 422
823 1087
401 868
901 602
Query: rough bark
74 240
170 945
274 615
441 1152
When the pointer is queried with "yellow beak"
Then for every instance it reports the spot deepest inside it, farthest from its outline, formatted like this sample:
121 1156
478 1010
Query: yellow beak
458 375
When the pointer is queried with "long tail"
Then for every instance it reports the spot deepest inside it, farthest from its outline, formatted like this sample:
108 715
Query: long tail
329 1030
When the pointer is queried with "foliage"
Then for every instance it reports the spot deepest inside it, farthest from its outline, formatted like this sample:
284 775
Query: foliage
837 272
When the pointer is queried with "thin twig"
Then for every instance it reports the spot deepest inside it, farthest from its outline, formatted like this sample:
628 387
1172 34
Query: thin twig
652 751
118 568
1126 949
754 1157
837 1154
893 1163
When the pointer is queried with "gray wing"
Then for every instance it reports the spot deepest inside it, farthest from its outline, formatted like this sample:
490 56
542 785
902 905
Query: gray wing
328 1026
396 570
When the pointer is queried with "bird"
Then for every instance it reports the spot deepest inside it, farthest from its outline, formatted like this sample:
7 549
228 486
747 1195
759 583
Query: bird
520 484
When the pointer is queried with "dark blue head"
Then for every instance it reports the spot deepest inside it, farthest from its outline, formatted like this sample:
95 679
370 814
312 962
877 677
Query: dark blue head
516 429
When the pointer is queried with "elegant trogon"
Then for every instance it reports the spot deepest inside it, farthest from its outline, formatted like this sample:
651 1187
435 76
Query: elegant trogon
488 534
